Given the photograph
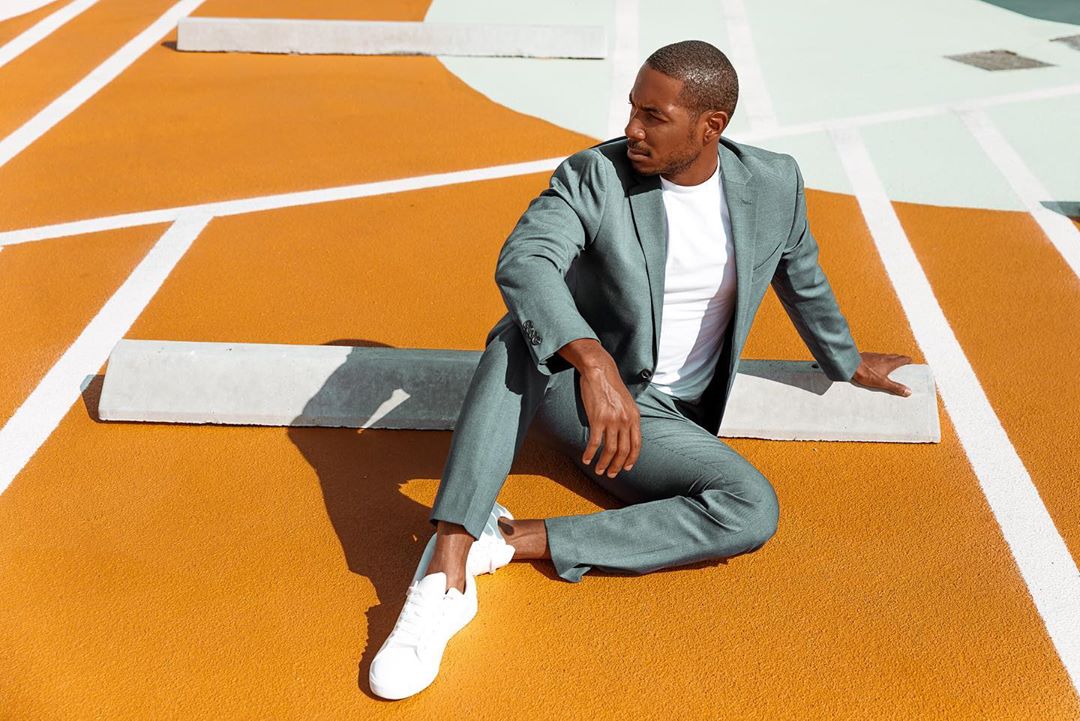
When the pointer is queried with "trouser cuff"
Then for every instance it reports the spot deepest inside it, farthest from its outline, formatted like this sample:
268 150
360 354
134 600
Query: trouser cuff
473 520
563 545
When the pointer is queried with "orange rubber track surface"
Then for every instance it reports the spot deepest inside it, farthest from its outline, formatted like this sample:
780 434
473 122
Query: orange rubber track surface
12 27
220 572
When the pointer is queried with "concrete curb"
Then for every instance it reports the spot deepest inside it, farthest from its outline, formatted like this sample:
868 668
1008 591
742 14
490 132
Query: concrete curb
420 388
795 401
357 37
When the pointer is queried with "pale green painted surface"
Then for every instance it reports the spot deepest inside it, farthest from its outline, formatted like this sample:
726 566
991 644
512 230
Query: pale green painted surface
573 94
937 159
1047 136
825 61
840 58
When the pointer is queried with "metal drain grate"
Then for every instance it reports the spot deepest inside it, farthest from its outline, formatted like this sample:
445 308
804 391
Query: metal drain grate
998 60
1073 41
1070 209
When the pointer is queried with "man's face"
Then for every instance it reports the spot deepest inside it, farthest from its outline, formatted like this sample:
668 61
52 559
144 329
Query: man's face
662 135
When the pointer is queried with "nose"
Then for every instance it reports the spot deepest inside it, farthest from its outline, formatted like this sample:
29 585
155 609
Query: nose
634 129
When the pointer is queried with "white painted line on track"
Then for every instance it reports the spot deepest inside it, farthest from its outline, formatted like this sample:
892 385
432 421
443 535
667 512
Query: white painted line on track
273 202
348 192
1059 229
752 88
42 29
1040 552
98 78
922 111
42 411
624 65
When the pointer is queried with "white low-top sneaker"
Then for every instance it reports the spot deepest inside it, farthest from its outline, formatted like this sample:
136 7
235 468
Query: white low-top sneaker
487 554
408 661
490 551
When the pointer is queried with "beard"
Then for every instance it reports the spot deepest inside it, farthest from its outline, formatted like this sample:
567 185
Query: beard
680 160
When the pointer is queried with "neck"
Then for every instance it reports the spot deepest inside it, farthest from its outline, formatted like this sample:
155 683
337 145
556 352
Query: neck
699 170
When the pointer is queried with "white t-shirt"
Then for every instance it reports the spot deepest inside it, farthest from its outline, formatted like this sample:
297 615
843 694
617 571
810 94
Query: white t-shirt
699 286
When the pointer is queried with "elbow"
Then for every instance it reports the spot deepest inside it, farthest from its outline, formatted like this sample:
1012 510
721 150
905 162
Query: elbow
507 276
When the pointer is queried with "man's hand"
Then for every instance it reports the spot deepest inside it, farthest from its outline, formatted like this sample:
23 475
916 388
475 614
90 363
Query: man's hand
613 413
874 372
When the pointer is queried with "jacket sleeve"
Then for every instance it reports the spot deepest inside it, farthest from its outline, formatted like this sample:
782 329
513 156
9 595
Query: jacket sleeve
534 260
804 291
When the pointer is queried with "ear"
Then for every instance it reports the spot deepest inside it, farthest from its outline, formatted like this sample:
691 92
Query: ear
715 122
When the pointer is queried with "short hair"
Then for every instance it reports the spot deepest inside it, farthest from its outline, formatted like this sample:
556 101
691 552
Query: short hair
709 79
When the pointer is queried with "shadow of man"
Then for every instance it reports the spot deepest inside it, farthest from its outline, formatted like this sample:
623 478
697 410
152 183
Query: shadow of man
362 473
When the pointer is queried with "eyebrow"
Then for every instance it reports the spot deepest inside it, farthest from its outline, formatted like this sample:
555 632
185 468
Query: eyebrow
650 108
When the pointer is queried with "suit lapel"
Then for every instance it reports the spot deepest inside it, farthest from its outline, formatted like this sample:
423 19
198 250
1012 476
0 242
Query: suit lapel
740 191
647 208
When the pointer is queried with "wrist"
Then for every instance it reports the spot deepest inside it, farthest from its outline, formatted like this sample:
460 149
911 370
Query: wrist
585 354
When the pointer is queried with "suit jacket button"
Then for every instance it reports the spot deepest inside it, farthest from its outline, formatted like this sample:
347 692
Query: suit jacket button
645 374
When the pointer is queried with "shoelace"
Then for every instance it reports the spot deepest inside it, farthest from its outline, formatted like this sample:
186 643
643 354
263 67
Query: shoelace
415 619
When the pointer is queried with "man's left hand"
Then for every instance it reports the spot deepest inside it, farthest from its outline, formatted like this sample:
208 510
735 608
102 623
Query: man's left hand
874 372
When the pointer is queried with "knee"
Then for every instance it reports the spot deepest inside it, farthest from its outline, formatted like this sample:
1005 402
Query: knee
750 507
765 519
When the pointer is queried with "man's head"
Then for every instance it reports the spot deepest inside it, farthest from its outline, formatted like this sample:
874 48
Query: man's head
683 98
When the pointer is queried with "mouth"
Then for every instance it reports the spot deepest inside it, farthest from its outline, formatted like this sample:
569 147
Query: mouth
635 152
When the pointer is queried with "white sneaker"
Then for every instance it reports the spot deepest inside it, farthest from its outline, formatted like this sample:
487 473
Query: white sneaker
408 661
487 554
490 551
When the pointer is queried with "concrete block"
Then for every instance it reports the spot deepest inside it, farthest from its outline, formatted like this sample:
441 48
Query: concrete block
795 401
420 388
285 385
356 37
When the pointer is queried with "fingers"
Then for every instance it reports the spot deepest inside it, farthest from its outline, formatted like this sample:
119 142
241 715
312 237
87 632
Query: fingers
619 459
614 423
635 444
898 360
595 434
895 361
611 446
622 447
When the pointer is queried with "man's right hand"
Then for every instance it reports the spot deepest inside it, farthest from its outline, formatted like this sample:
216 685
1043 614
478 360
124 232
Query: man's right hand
613 414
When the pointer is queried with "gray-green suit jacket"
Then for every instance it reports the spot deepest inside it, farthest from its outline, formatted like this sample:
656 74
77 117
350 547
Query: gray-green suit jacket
587 260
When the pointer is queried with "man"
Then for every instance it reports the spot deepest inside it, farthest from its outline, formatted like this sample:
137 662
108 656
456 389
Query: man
631 284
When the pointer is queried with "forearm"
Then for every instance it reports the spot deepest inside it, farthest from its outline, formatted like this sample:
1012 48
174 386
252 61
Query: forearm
537 256
808 299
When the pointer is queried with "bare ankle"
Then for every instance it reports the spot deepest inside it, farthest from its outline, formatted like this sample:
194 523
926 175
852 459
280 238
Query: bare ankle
452 544
528 536
452 569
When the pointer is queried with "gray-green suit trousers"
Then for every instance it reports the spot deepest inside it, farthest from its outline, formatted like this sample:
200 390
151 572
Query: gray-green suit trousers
690 497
